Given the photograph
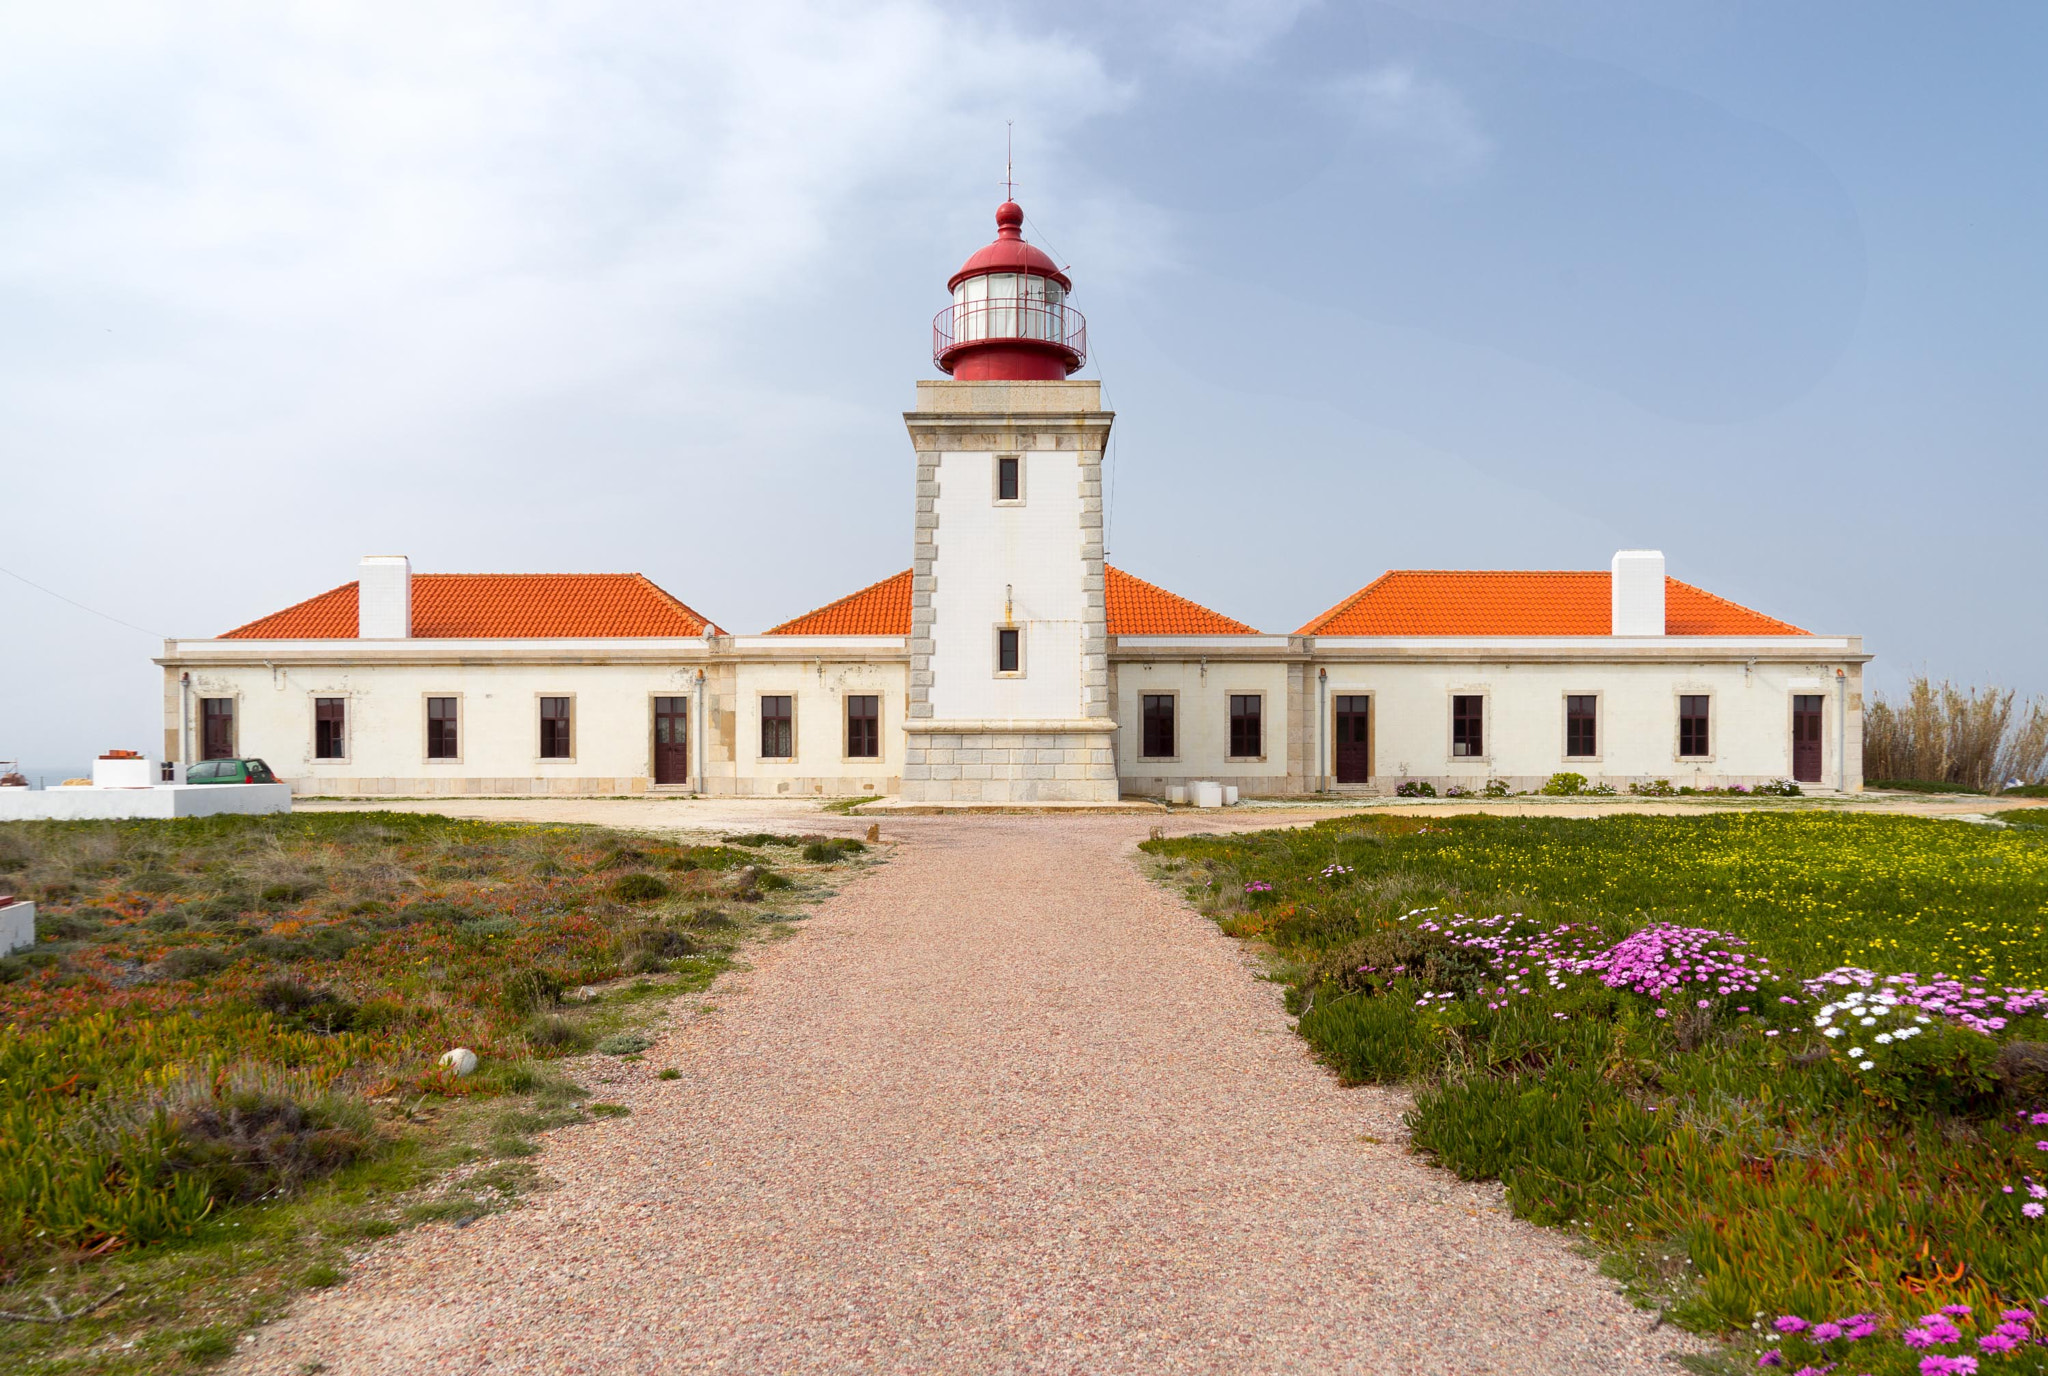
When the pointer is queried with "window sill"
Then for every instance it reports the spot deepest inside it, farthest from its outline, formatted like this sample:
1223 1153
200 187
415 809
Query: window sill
1158 759
1244 759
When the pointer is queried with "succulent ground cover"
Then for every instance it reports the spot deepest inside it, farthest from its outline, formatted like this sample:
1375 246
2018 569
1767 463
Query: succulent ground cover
219 1065
1789 1071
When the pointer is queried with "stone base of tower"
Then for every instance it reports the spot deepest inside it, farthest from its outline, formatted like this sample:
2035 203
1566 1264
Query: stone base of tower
1010 762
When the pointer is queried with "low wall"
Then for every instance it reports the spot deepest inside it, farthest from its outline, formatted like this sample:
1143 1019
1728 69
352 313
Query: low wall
123 804
17 927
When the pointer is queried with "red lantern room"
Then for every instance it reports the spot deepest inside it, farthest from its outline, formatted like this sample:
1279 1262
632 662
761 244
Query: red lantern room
1009 321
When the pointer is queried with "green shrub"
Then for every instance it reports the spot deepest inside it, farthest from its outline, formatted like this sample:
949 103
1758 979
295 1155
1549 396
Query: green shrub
756 839
1653 788
768 881
1415 788
529 988
280 894
1496 788
637 888
194 962
1563 785
313 1008
554 1033
320 1275
250 1141
831 850
624 1044
1367 1040
670 1073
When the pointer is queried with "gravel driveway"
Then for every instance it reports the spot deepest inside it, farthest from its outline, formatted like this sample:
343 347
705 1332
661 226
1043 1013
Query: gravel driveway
1003 1105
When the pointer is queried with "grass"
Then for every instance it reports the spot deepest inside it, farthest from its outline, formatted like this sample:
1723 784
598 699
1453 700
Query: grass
1728 1159
219 1067
1919 786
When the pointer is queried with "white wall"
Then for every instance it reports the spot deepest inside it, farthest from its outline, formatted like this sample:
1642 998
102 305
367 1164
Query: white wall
612 734
1034 548
820 765
1202 721
1751 719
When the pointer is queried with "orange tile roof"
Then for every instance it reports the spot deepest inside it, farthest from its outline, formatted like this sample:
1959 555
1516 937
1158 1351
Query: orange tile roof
1479 602
878 609
497 606
1135 607
1138 608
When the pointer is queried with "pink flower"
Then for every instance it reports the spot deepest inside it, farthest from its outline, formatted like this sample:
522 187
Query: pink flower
1825 1332
1705 1004
1791 1323
1997 1342
1665 1013
2033 1209
1771 1358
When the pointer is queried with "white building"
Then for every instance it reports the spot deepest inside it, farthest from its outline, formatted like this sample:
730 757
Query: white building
1010 662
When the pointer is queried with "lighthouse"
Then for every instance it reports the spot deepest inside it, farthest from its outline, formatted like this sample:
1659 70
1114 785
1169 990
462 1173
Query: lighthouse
1009 695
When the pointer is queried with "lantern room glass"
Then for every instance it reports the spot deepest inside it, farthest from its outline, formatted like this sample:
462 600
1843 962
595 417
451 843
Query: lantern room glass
1008 305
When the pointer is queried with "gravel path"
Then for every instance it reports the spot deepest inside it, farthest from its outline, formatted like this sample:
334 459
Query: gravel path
1003 1105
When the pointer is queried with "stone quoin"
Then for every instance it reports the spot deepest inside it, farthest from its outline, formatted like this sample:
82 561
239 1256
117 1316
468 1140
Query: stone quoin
1011 663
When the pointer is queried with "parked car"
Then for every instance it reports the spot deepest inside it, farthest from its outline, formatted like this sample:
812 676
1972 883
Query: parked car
230 772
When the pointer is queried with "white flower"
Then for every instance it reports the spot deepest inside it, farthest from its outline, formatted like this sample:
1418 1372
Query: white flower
1867 1065
1884 1039
1855 1051
1832 1032
1868 1022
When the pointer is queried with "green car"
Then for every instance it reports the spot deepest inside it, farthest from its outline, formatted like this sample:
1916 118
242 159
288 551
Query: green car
230 772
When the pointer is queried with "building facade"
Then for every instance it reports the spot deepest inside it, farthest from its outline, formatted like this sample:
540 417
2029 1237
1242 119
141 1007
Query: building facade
1011 663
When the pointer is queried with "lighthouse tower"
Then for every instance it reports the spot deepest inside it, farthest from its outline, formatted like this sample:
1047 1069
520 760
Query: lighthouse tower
1009 650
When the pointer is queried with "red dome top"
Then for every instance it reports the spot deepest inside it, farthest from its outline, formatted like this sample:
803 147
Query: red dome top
1009 253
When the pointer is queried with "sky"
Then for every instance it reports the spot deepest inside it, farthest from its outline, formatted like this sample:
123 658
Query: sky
615 286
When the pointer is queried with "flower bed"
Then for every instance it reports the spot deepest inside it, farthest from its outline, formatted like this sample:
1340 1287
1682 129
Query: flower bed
1673 1036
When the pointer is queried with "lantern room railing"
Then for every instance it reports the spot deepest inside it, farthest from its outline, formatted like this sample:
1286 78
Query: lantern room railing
1007 320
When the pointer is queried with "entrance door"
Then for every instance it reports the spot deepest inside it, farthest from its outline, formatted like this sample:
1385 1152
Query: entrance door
1354 740
217 728
671 740
1806 737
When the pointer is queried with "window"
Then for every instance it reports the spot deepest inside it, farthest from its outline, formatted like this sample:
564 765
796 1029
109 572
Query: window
1156 731
217 728
330 741
1009 478
778 728
1009 650
863 727
554 729
1468 729
442 742
1581 734
1246 740
1692 724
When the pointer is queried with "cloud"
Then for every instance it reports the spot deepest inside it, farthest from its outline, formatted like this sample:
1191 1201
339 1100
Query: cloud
1427 123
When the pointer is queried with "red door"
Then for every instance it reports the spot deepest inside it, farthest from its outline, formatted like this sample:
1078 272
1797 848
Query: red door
1353 745
671 740
1806 737
217 728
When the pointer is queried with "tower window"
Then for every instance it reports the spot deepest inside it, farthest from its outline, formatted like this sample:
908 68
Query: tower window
1468 725
1156 738
1581 725
778 728
1692 724
1009 478
441 729
1009 650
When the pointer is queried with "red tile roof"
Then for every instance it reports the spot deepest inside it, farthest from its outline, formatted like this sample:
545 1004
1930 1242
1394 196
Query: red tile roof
878 609
497 606
1135 607
1477 602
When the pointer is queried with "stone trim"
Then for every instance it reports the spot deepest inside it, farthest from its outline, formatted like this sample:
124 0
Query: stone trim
1095 628
924 555
1011 766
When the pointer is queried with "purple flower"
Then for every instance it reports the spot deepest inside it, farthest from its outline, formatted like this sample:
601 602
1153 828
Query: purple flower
1825 1332
1771 1358
1997 1342
1858 1326
2039 1120
1705 1004
2017 1315
1663 1012
1956 1311
1791 1323
1916 1337
2033 1209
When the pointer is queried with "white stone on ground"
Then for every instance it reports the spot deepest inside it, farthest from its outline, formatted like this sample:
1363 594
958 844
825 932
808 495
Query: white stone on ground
1002 1105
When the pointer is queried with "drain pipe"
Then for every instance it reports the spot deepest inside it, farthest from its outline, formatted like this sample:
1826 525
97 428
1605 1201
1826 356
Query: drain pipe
1322 730
185 720
697 739
1841 731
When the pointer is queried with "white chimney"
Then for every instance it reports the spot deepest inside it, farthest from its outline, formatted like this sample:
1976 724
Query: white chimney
384 597
1638 593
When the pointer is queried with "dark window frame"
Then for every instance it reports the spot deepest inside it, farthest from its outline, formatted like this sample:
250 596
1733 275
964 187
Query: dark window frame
864 729
1009 649
558 727
1009 477
330 728
1468 726
1152 722
778 726
1581 726
1695 726
1247 727
444 731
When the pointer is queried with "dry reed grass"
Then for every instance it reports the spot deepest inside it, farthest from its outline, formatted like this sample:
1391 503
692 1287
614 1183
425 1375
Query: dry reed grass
1981 738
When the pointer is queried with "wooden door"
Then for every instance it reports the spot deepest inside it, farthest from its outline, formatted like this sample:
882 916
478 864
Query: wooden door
1353 743
217 733
671 740
1806 711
